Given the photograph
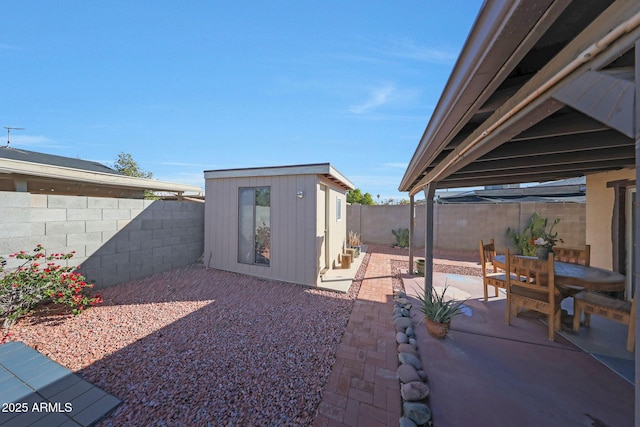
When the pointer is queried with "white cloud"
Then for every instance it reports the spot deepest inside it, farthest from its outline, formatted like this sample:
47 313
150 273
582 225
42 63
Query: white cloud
18 140
184 164
408 49
378 97
399 165
368 181
182 178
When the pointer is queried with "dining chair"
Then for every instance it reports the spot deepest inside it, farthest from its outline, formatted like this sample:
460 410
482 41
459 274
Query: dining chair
589 302
490 274
533 288
574 255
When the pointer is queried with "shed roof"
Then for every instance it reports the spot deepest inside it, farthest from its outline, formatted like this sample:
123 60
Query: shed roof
541 91
323 169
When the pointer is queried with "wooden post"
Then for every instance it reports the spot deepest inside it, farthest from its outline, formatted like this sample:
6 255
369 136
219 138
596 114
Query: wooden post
412 208
636 273
429 192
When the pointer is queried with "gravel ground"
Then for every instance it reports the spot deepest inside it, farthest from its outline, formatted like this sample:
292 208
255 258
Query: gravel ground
202 347
398 266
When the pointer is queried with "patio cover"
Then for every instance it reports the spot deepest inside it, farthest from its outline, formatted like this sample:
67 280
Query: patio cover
541 91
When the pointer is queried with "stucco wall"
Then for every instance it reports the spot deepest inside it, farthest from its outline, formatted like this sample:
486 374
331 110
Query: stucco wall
599 209
115 240
460 226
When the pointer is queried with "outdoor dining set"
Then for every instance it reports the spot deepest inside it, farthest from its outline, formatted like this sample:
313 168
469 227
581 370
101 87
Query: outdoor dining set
542 284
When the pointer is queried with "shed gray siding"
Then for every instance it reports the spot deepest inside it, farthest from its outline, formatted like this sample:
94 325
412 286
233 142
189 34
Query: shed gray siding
294 236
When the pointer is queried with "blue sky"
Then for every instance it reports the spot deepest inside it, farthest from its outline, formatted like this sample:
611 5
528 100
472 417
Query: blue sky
188 86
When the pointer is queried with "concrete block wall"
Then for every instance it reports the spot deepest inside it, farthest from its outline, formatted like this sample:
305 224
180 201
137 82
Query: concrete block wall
115 240
460 226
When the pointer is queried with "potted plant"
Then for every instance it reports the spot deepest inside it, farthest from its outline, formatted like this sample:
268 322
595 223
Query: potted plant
420 266
535 239
546 240
438 312
354 242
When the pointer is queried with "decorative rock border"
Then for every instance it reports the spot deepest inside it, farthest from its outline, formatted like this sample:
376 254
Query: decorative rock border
414 390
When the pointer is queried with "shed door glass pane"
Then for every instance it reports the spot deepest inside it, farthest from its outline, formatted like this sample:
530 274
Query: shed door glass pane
263 225
245 225
254 225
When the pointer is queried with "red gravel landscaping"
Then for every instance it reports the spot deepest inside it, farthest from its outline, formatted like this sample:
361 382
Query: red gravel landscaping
200 346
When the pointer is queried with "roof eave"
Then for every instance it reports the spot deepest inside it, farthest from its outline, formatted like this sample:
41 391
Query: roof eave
18 167
324 169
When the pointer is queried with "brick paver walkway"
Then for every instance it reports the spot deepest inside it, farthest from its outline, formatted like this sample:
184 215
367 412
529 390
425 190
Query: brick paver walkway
362 389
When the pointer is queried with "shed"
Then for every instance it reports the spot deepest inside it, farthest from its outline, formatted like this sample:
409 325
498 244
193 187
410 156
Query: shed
283 223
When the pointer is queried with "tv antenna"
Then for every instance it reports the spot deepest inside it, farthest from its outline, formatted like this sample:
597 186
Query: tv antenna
9 129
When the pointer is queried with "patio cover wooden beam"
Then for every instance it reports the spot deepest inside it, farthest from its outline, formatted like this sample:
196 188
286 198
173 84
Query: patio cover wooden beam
636 271
615 27
607 98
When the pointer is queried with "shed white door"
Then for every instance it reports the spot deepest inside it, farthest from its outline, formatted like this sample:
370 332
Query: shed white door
323 227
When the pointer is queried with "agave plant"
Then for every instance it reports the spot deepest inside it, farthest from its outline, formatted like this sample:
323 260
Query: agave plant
436 308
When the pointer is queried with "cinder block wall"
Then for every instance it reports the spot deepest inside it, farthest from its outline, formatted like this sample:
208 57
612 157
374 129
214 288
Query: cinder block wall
115 240
460 226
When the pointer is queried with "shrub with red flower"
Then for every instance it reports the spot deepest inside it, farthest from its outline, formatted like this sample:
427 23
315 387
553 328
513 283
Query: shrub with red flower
32 283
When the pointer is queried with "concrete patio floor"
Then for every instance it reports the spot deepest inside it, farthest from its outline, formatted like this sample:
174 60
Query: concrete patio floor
484 373
339 279
488 373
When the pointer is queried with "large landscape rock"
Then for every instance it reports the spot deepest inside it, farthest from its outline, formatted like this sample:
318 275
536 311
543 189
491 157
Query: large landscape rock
407 348
402 323
407 373
414 391
410 359
419 413
401 338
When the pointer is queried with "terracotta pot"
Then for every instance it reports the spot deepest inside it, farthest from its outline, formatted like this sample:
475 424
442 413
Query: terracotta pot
437 330
542 252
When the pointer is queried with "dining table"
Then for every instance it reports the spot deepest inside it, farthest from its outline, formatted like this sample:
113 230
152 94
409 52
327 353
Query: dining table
570 275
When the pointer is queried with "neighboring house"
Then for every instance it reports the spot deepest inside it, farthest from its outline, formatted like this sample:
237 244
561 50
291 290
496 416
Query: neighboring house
542 91
565 191
284 223
39 173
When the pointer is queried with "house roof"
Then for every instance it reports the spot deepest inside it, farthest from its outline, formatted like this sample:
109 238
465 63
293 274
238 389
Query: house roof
541 91
566 190
23 170
323 169
53 160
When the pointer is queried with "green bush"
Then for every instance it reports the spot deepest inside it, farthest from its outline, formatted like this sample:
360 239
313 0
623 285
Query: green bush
523 242
402 236
32 283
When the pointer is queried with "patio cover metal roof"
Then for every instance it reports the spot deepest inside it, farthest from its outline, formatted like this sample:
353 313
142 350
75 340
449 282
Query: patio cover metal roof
541 91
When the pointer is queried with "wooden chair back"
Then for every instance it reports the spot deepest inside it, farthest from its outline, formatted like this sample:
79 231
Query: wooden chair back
490 274
532 286
580 256
487 255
